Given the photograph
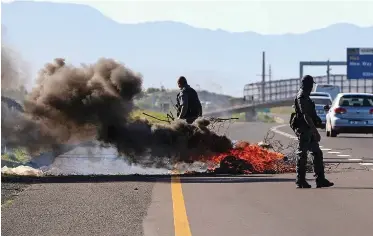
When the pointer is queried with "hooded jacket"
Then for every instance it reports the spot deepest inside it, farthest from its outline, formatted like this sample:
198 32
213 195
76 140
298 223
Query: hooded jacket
188 97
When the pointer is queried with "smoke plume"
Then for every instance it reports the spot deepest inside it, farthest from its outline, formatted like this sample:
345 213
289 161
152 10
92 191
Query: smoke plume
13 72
95 101
17 129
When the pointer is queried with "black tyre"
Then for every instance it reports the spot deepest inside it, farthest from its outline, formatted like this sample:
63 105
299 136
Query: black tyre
329 130
333 133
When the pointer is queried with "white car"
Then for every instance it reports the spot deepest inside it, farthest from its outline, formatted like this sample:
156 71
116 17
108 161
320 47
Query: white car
333 90
320 102
350 113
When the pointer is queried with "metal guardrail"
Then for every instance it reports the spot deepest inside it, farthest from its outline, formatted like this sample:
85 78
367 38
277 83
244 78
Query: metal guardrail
244 107
287 89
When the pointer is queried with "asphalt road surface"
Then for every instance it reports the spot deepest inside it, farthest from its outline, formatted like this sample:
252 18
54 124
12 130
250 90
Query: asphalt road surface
201 206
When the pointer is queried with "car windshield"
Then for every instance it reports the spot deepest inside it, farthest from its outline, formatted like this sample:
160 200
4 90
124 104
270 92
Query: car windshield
356 101
321 101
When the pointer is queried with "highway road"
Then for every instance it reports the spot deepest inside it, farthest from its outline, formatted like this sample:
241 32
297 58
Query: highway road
259 205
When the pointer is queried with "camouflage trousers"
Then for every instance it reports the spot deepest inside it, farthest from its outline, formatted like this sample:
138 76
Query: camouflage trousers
306 145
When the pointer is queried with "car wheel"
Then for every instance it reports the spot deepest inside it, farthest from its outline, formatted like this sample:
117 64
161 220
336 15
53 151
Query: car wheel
333 133
329 130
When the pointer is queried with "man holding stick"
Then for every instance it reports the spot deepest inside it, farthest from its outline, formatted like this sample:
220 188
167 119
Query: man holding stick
188 105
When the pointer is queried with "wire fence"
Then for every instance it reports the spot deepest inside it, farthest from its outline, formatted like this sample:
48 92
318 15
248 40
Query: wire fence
287 89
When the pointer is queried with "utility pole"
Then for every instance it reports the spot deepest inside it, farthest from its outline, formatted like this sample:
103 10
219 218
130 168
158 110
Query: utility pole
263 75
270 83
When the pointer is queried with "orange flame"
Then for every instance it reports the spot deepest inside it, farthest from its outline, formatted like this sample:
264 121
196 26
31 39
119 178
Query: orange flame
261 159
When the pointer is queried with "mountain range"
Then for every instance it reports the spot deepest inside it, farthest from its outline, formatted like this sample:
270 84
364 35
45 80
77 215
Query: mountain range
214 60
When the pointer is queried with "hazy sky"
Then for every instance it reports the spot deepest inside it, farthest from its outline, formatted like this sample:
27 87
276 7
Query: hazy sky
267 17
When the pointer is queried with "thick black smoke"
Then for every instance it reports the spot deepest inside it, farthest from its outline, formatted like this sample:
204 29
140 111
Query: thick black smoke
16 128
95 101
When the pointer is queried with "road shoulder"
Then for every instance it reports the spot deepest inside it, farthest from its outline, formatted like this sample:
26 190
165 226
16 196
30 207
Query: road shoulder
109 208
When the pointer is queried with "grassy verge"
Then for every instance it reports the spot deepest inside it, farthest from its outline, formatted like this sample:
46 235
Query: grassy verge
264 117
17 155
261 116
282 110
240 116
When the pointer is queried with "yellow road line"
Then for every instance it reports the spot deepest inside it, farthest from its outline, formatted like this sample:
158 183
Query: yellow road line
181 222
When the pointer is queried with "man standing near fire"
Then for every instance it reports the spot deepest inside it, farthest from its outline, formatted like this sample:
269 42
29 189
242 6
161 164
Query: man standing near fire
303 123
188 105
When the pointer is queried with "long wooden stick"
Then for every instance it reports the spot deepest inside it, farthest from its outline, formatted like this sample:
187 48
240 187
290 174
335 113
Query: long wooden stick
156 118
223 119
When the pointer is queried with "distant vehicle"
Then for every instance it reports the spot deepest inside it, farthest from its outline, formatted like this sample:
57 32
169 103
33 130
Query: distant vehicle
350 113
320 103
333 90
320 94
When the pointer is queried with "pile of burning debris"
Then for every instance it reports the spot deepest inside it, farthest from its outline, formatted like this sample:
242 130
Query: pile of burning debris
246 158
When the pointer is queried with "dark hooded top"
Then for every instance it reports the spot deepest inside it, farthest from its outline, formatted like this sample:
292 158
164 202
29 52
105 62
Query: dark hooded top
305 106
188 97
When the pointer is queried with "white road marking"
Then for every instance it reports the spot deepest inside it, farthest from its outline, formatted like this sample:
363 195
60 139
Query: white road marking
344 155
320 146
333 152
279 120
275 129
366 164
